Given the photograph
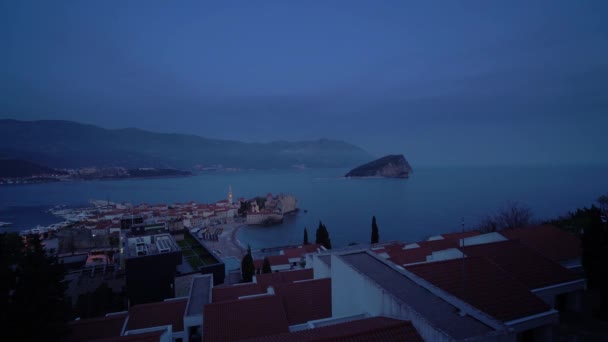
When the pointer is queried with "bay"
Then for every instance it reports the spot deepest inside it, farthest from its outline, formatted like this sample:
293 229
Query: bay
431 201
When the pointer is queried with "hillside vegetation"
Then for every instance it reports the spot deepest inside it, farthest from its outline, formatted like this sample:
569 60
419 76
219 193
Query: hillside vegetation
66 144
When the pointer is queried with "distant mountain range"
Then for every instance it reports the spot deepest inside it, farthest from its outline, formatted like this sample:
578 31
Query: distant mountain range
68 144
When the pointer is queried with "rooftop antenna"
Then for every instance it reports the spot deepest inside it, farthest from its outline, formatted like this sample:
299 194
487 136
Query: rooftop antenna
131 214
464 277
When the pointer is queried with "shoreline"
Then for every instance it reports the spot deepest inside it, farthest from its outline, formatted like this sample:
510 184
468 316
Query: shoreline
235 240
228 244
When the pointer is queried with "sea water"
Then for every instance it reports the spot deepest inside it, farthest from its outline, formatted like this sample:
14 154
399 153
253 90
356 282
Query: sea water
431 201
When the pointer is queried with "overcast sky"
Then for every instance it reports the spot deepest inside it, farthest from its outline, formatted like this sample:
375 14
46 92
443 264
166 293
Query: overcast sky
443 82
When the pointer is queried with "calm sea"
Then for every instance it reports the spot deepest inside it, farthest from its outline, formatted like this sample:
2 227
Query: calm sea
432 201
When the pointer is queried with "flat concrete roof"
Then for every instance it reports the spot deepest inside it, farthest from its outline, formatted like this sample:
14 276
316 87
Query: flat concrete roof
136 246
326 259
200 294
439 313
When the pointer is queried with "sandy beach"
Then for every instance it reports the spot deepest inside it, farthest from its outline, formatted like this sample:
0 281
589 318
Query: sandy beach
228 244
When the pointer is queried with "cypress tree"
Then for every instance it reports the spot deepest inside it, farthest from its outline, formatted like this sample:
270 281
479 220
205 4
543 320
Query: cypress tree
247 266
375 234
323 236
266 267
319 235
37 307
306 236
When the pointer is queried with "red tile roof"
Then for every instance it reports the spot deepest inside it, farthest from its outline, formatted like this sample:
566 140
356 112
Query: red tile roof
306 300
549 241
298 252
439 245
486 286
153 336
410 255
232 292
276 260
274 278
374 329
157 314
460 235
96 328
389 248
244 318
531 268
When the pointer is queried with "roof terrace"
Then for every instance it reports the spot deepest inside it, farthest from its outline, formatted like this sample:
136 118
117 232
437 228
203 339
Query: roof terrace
150 245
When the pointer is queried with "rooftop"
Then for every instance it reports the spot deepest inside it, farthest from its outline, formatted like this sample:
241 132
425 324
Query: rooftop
274 278
275 260
325 258
460 235
481 239
200 294
96 328
224 293
529 267
374 329
306 300
435 310
244 318
484 285
169 312
150 245
549 241
152 336
299 251
410 255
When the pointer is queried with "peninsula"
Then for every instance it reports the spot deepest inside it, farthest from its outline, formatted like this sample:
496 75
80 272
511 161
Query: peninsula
391 166
16 171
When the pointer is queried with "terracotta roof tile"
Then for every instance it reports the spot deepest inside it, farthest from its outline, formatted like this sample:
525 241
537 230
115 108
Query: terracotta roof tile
298 252
374 329
549 241
393 247
460 235
486 286
410 255
274 278
232 292
96 328
306 300
439 245
244 318
153 336
156 314
531 268
276 260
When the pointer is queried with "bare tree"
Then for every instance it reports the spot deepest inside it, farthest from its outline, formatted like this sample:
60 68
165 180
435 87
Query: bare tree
603 201
513 215
488 224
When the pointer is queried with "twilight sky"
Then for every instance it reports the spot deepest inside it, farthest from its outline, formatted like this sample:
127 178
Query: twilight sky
443 82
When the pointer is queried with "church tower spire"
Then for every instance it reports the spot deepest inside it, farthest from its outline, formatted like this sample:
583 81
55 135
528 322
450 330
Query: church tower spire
230 194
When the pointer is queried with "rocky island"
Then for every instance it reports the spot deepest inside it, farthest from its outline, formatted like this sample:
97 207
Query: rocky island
391 166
